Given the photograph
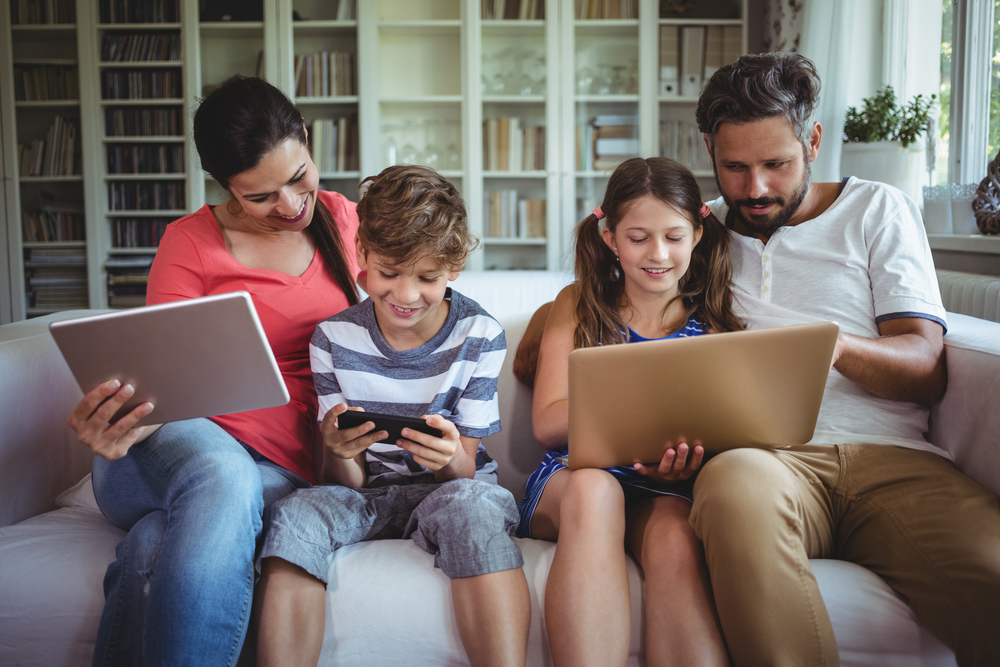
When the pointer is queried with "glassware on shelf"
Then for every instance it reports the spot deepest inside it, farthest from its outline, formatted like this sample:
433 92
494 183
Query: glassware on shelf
619 80
452 157
632 76
409 152
390 147
584 80
430 155
603 82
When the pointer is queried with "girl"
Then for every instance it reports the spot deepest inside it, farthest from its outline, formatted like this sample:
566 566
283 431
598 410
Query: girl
651 263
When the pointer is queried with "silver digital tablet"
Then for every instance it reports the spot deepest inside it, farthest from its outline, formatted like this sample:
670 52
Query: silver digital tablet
760 388
192 358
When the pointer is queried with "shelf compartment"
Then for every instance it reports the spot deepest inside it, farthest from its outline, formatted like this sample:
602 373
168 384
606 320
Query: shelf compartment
227 29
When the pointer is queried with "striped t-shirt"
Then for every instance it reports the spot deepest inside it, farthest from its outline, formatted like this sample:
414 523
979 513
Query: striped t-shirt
454 374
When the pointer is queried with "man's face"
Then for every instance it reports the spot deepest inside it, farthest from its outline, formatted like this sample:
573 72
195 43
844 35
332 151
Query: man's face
762 170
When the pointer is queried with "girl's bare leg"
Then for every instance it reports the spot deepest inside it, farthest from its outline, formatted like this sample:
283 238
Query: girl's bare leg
493 613
291 613
682 627
587 594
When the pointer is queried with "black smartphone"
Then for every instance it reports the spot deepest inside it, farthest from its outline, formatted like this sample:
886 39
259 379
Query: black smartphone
391 423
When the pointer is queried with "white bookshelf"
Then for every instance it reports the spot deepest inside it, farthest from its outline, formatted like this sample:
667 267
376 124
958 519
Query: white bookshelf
425 83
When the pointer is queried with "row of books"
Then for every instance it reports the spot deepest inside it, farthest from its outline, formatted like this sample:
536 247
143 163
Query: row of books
140 11
689 55
128 276
34 12
54 221
138 232
140 47
56 288
507 216
142 196
513 9
143 122
325 74
38 83
145 159
606 9
141 84
55 155
681 141
509 146
335 143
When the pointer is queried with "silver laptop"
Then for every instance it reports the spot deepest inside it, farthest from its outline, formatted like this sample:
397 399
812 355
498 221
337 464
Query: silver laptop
760 388
192 358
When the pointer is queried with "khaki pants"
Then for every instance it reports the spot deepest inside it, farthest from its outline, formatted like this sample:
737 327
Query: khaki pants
932 533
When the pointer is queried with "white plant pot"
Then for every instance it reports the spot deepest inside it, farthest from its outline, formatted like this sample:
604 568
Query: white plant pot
888 162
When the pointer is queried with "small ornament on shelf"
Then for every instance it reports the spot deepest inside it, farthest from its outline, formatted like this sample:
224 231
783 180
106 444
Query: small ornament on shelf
986 205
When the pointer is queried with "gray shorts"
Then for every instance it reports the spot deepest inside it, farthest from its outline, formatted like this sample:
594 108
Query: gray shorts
465 523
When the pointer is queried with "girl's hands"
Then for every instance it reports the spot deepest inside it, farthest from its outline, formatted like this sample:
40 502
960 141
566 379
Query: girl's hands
91 419
430 452
347 443
677 464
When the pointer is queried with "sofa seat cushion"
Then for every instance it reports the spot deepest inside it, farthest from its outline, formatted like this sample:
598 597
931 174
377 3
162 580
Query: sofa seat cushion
386 603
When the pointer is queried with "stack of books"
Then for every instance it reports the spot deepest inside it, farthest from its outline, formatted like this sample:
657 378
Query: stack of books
143 122
31 12
141 84
142 196
128 276
681 141
138 232
325 74
607 141
140 47
140 11
145 159
56 278
510 217
335 143
510 146
55 155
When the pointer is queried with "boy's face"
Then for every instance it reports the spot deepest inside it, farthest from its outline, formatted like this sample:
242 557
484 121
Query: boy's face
408 298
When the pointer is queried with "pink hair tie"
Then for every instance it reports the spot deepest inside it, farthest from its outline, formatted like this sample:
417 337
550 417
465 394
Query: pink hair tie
705 211
599 213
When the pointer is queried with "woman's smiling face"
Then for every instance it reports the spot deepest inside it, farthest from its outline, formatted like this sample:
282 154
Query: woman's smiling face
280 192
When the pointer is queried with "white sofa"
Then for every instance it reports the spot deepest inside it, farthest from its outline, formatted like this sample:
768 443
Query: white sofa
54 551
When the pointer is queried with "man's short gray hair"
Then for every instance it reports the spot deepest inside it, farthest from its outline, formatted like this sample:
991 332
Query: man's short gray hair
758 87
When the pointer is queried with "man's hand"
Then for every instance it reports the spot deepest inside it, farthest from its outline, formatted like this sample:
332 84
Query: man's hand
677 464
526 357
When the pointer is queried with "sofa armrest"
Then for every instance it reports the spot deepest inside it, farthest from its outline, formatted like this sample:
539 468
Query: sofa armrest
966 422
39 454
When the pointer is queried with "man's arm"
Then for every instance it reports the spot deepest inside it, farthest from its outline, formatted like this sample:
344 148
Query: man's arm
906 363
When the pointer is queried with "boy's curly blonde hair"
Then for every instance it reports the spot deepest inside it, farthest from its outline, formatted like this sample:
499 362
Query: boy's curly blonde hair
408 212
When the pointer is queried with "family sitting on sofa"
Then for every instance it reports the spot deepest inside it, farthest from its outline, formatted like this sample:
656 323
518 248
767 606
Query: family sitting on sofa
213 505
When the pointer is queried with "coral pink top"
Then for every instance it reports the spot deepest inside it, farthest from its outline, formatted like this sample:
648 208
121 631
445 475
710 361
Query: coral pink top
193 261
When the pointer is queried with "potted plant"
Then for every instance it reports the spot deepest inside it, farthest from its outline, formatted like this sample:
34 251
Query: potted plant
880 141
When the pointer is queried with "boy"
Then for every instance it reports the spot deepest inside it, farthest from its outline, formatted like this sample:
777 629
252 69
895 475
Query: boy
413 348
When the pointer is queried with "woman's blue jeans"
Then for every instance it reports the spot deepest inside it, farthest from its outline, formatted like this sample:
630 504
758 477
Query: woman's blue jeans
181 587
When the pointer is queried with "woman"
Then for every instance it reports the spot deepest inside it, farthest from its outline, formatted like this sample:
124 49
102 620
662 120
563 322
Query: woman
191 493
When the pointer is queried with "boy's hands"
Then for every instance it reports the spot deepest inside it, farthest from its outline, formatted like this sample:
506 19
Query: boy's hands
347 443
447 456
677 464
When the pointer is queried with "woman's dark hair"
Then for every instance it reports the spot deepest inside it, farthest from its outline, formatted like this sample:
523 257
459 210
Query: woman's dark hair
239 123
704 290
757 87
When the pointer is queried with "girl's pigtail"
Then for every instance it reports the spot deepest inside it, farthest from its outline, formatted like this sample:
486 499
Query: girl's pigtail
600 287
707 288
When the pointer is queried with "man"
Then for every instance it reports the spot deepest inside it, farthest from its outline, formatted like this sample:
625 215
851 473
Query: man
868 488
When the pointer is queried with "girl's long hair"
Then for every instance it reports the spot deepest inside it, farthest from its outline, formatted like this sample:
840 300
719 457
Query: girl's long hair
236 126
704 290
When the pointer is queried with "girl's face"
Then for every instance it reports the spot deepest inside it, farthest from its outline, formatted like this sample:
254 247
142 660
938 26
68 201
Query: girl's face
280 192
653 241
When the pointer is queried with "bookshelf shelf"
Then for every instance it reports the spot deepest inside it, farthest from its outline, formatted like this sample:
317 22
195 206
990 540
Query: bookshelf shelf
145 177
28 245
341 99
140 64
501 240
339 175
143 102
323 27
153 139
146 250
41 104
138 26
142 213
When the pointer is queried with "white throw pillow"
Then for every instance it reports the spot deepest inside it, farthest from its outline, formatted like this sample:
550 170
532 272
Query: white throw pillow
80 494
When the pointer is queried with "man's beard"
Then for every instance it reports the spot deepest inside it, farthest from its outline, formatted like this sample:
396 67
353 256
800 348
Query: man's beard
766 225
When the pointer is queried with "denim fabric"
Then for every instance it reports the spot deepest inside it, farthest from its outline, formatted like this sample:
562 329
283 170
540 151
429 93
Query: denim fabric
179 592
465 523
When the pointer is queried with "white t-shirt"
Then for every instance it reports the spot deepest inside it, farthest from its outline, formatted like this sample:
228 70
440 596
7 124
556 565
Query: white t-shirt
862 261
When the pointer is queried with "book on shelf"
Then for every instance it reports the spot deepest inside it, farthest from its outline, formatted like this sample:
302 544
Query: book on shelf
55 221
334 143
509 145
56 287
714 51
143 122
606 9
46 257
692 59
146 84
140 47
55 155
508 216
41 83
325 74
513 9
36 12
138 232
139 11
146 196
681 141
669 58
145 158
346 10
